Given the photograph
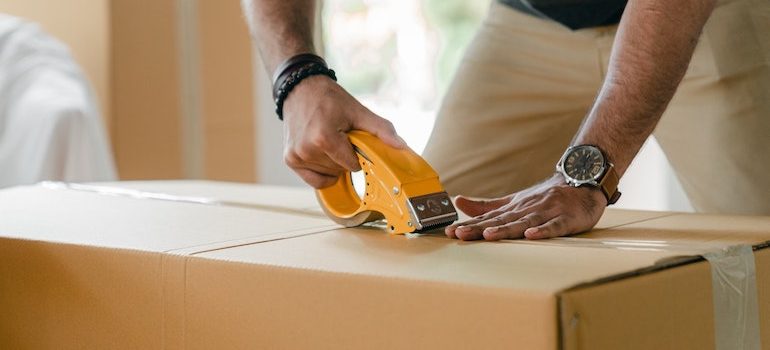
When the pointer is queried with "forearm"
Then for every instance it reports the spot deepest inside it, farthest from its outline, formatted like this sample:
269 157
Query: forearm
650 55
280 28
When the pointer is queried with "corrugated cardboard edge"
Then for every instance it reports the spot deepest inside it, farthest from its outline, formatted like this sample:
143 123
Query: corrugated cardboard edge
567 319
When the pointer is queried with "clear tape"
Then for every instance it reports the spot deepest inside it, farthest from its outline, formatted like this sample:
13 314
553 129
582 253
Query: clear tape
625 244
137 194
734 286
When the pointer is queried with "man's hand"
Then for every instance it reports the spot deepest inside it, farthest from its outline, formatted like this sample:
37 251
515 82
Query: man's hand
317 115
549 209
652 48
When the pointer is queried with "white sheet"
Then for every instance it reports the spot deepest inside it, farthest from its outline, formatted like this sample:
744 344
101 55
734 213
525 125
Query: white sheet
50 124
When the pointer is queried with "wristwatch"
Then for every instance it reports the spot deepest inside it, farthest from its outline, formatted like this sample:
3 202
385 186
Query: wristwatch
586 165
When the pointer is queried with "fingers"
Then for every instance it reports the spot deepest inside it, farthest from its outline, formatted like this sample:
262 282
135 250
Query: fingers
550 209
316 170
507 225
473 229
380 127
451 230
554 228
513 229
478 207
315 179
339 150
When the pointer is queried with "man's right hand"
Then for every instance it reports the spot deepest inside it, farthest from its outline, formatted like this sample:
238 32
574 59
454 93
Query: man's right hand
318 113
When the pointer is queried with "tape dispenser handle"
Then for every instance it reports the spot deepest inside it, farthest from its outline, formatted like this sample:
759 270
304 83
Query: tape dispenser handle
340 201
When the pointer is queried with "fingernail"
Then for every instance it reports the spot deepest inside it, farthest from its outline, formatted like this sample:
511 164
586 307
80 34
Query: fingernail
491 229
463 228
530 232
490 235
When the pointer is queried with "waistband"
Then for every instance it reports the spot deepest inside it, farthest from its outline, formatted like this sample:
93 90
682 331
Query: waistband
588 14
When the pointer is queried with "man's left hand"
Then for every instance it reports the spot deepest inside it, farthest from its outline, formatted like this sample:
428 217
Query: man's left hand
549 209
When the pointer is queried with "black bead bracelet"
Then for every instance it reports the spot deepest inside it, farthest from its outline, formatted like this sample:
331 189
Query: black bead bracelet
292 72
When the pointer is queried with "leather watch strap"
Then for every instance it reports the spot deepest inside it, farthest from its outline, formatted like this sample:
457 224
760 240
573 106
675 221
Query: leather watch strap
609 185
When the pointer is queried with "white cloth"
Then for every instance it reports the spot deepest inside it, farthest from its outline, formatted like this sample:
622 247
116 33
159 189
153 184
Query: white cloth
50 124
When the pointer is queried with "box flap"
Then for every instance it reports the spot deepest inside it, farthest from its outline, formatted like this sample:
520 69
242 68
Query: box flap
527 266
686 229
624 243
93 219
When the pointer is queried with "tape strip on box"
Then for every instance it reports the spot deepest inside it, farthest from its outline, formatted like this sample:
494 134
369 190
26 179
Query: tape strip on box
734 286
124 192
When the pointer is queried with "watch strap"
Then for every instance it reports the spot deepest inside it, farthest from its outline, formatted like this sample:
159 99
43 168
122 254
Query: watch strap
609 184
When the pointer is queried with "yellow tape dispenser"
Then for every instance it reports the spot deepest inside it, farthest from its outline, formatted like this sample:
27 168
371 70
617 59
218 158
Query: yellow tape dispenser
400 187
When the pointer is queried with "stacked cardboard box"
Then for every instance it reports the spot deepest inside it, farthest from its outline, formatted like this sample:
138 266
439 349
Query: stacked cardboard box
203 265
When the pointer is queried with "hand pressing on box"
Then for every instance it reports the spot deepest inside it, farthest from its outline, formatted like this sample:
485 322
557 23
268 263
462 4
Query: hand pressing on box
549 209
650 55
317 116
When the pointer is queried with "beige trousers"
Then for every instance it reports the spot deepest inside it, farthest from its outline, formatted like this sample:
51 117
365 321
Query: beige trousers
525 85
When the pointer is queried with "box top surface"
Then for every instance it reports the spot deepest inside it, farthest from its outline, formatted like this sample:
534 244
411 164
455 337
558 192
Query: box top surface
84 217
239 225
537 266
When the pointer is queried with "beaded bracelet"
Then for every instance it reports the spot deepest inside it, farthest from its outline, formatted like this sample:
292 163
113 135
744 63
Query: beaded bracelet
292 72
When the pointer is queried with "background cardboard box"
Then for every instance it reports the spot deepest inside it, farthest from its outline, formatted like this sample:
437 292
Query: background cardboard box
174 81
210 265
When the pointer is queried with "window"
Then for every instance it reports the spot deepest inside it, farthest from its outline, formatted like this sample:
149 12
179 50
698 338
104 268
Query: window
397 57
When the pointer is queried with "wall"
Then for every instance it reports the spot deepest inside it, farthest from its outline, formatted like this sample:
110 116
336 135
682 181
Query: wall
182 100
146 100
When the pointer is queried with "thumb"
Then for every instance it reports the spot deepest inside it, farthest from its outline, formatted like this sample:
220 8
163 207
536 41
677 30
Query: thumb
473 207
380 127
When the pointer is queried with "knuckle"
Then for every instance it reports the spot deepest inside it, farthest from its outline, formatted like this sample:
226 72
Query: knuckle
301 154
291 159
510 216
555 192
491 214
319 140
535 218
496 221
387 124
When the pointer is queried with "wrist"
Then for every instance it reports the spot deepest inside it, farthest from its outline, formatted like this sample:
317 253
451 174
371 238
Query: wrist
588 166
292 72
313 86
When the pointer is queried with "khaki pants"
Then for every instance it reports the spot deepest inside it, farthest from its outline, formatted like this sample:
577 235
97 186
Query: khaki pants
525 85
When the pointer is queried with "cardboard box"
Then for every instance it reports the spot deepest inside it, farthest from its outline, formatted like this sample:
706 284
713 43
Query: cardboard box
204 265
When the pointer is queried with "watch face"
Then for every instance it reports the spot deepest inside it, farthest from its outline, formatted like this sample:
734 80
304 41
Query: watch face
584 163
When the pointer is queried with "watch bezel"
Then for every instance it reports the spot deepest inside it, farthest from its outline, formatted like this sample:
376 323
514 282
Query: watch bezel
594 181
